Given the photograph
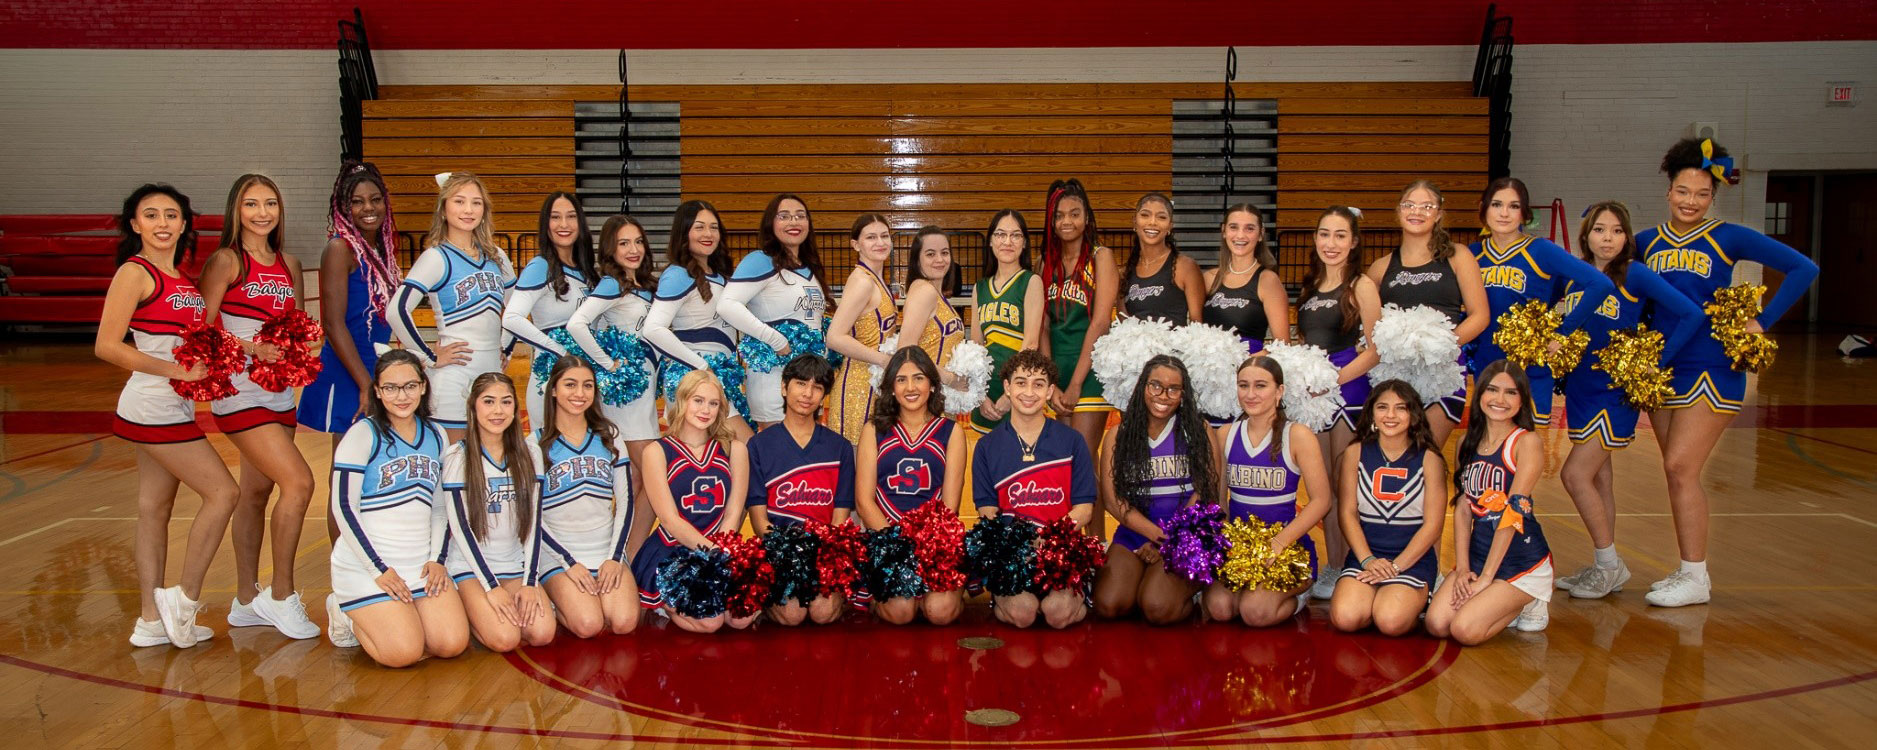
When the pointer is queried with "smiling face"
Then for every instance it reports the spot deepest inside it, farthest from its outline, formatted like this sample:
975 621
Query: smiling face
466 207
1418 211
1028 391
1152 221
495 411
935 257
1071 220
874 244
1334 240
791 223
1607 239
803 397
703 406
158 223
1258 392
629 248
1390 415
401 390
366 207
1163 392
1690 196
1007 242
703 235
1500 398
911 389
563 224
260 211
1504 212
573 394
1242 231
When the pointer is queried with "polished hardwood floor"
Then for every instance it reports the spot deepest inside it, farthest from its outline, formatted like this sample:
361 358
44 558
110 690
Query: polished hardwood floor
1784 656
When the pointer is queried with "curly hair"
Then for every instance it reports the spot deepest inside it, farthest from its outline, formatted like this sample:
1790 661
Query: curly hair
1686 154
1133 466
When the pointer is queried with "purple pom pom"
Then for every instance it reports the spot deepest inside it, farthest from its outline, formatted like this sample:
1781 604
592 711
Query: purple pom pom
1195 546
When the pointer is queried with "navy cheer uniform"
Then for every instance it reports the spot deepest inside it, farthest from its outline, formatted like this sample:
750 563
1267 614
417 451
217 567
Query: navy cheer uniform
700 487
797 485
911 468
1531 269
1487 483
1593 408
1042 484
1391 504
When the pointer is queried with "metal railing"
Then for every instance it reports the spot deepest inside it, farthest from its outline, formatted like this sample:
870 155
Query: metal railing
358 82
1492 78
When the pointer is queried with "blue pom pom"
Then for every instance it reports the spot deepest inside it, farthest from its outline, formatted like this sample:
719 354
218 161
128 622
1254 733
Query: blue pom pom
892 566
802 340
695 582
632 375
792 550
728 370
1001 552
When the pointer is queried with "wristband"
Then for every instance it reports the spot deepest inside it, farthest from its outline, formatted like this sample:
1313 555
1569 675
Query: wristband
1367 560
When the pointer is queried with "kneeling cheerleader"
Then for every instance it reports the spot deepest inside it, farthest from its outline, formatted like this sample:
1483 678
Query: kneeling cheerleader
1391 528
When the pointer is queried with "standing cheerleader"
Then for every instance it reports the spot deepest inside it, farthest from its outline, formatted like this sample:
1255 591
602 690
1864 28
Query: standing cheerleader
586 507
778 286
1601 420
1696 255
1159 460
1244 293
551 286
1007 309
249 280
1502 570
867 315
1392 529
683 325
390 590
1038 469
1079 287
1161 283
467 279
928 320
152 299
1265 458
1425 270
705 470
358 273
801 472
492 500
1517 267
1337 311
910 454
620 302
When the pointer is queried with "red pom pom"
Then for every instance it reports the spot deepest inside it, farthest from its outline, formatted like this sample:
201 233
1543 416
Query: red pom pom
219 354
291 332
938 540
1065 556
841 552
750 572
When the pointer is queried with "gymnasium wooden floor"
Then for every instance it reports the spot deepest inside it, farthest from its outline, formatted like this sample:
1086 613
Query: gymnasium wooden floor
1784 656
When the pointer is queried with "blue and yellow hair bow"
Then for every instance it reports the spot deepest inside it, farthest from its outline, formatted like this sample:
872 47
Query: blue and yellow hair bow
1722 168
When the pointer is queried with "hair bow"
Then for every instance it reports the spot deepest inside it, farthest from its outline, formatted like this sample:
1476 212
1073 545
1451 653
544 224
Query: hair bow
1723 168
442 177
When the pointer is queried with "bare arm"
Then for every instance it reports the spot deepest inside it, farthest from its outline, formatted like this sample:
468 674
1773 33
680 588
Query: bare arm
1307 453
856 298
335 266
128 287
1530 453
1100 313
1370 303
739 485
1192 283
1276 303
663 506
1351 473
1433 506
955 458
1472 294
921 301
866 479
1033 313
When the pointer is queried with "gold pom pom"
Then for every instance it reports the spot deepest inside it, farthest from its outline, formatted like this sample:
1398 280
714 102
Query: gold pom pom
1249 563
1633 361
1528 329
1732 309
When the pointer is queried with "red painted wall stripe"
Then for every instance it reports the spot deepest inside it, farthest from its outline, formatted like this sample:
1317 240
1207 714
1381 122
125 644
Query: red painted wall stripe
750 24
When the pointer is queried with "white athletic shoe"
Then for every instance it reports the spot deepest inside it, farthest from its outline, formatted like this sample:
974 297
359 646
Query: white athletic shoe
243 615
1598 582
1534 618
1680 590
285 615
1672 577
1570 582
338 626
148 633
178 614
1324 588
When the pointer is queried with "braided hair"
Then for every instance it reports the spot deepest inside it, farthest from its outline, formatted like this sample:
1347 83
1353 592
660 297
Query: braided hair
1133 467
377 255
1052 244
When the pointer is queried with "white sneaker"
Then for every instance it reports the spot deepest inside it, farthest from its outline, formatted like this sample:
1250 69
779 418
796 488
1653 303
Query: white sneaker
148 633
243 615
1534 618
178 614
1672 577
1570 582
1681 590
285 615
338 626
1323 588
1598 582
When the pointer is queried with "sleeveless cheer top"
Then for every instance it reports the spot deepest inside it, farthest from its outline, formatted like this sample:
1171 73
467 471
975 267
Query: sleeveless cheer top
1432 284
1155 296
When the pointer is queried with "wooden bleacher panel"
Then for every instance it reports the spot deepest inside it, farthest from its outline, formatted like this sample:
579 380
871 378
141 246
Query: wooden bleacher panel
521 146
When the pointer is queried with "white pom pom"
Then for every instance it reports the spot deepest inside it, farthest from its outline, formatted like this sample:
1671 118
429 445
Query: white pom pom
1311 395
442 177
876 372
1212 355
1118 356
1417 345
972 362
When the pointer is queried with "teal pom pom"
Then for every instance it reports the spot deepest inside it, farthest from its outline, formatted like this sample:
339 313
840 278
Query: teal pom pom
802 340
726 367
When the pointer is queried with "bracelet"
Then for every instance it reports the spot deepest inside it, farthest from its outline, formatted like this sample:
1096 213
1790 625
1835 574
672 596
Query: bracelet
1367 560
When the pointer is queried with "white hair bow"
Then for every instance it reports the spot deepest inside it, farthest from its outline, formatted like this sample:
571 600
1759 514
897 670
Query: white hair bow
442 177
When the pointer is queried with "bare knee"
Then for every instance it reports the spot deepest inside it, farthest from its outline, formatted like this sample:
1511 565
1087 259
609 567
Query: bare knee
502 641
1469 633
826 609
1394 623
584 622
1165 610
897 611
1263 615
1113 606
450 645
1018 613
790 614
626 622
943 610
397 656
1347 617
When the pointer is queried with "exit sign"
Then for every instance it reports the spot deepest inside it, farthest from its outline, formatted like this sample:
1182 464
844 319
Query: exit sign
1841 93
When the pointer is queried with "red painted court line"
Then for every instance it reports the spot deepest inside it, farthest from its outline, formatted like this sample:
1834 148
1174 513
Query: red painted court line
53 450
1816 439
74 422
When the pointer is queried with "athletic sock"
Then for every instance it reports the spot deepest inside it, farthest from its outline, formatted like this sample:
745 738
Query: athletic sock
1606 557
1697 569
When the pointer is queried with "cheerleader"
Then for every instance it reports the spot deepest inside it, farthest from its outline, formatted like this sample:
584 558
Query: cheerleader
928 320
390 590
1265 458
1007 309
1502 569
1161 283
586 507
1079 286
491 500
151 299
248 281
867 316
706 470
551 286
1600 420
1244 294
358 273
1158 461
683 325
1391 528
1425 270
1696 255
801 472
467 279
779 286
1516 267
620 302
1337 310
1038 469
910 454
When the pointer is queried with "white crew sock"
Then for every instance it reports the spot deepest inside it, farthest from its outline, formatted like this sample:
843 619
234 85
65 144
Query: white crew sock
1606 557
1696 569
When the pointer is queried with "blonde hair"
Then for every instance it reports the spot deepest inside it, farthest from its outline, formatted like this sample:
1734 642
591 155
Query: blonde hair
678 406
483 237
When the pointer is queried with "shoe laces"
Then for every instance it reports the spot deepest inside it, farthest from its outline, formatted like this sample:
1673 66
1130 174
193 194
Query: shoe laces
295 605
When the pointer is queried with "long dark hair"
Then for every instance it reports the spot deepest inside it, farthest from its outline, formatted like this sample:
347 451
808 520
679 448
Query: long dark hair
1173 246
129 243
514 450
604 263
1514 184
806 256
377 255
1133 467
1052 245
596 422
1440 243
1281 420
1477 423
1266 260
231 216
945 285
1420 435
1346 290
678 246
583 245
886 407
1618 269
375 411
988 268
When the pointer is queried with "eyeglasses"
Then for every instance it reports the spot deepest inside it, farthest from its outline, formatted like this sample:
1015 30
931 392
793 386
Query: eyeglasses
1426 208
1001 236
786 216
409 389
1155 388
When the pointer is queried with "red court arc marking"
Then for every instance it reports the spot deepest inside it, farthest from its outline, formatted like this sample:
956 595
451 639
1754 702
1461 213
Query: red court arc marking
75 422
